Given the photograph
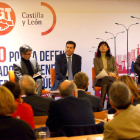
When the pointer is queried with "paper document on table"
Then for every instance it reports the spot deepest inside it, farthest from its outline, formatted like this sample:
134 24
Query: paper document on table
101 74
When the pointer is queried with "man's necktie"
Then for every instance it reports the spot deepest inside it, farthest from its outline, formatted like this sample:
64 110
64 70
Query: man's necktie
70 75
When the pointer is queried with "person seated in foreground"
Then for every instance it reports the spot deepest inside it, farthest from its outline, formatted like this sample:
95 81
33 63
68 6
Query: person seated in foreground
81 81
39 104
126 121
24 111
69 110
10 128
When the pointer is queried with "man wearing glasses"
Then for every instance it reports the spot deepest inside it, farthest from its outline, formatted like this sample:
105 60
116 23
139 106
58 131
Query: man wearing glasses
28 66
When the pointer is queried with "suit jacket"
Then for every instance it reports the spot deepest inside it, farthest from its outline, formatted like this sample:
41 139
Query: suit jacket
39 104
61 68
137 67
69 111
126 125
98 66
96 101
20 68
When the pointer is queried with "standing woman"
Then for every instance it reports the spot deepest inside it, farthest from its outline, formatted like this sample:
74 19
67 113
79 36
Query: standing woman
104 60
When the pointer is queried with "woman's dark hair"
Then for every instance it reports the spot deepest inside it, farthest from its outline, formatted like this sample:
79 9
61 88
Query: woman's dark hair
14 88
108 53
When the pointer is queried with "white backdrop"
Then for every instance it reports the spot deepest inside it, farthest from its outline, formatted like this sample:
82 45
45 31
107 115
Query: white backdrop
81 21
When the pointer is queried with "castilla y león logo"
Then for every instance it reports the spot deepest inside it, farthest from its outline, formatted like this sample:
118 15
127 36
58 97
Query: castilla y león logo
7 18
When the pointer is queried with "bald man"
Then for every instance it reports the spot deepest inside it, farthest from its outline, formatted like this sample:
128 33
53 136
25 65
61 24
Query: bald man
39 104
69 110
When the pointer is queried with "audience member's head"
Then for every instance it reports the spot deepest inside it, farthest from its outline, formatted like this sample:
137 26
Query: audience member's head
14 88
7 102
27 85
81 80
132 86
68 88
119 95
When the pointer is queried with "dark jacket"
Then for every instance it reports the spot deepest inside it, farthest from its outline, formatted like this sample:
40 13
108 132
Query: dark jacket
96 101
137 67
20 68
39 104
15 129
61 68
69 111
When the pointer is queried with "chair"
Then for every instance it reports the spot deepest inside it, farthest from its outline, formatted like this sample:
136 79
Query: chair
13 79
93 77
52 73
102 115
11 76
40 120
88 93
77 130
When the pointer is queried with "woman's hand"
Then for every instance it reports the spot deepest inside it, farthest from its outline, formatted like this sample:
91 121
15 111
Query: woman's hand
112 74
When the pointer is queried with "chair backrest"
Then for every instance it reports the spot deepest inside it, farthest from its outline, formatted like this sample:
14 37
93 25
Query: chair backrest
77 130
40 119
88 93
93 75
101 115
52 73
11 76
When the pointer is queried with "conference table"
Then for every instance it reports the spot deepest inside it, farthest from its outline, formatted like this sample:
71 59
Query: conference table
84 137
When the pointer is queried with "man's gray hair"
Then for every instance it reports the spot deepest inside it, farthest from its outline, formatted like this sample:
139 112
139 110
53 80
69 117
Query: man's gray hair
67 91
27 85
120 95
81 80
24 49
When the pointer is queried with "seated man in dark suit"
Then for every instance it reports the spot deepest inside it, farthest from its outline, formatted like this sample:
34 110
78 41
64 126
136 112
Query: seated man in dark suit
81 81
69 110
39 104
66 65
28 66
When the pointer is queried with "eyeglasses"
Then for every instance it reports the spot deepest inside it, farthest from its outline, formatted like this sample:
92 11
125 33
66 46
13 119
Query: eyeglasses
28 54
